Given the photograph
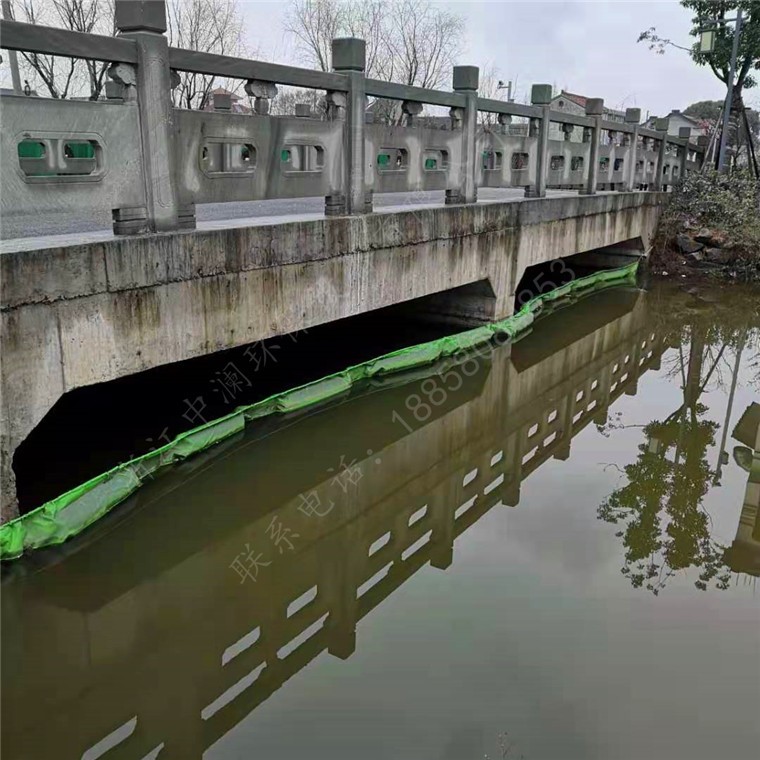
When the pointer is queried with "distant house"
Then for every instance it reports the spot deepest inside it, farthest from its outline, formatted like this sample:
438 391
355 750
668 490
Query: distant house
221 94
576 105
676 120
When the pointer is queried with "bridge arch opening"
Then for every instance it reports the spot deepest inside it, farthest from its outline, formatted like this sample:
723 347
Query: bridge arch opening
92 429
549 275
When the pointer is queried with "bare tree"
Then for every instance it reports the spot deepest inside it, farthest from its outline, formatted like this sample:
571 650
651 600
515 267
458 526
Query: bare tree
64 77
368 21
408 41
315 23
490 87
425 42
284 103
211 26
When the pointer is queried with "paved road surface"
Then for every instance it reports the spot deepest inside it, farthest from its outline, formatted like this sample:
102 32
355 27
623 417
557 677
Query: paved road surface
46 230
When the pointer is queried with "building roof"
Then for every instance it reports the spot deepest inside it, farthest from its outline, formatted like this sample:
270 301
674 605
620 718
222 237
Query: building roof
581 100
223 91
701 124
696 122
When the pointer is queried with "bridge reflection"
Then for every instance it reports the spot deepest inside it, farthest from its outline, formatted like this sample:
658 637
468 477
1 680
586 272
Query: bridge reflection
177 616
743 556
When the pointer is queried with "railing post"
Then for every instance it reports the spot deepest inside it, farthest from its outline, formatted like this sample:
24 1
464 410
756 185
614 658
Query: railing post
632 116
541 95
349 56
661 125
595 108
703 142
144 21
466 80
684 134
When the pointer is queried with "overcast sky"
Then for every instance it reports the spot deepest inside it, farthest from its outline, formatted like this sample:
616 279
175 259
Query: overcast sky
584 46
588 47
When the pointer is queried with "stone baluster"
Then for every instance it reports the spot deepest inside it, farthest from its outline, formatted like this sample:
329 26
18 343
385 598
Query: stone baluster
504 121
633 117
144 21
349 57
703 142
541 95
410 109
661 126
262 93
684 134
595 109
465 81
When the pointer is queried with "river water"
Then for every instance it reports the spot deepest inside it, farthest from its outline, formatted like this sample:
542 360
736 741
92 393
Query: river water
549 551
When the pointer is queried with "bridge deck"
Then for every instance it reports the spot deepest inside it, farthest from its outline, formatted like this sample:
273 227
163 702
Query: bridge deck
56 230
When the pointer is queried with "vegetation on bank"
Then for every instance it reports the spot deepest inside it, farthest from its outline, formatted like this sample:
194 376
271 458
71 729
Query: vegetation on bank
711 224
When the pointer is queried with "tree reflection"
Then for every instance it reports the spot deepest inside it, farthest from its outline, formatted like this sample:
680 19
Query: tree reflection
661 506
666 526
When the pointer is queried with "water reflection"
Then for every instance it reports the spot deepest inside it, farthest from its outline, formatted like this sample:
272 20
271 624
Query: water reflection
169 623
743 555
660 507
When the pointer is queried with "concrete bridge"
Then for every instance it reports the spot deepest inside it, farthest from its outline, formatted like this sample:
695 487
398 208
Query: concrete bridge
161 286
186 678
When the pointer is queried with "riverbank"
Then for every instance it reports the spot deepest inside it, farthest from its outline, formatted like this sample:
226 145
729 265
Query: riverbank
710 228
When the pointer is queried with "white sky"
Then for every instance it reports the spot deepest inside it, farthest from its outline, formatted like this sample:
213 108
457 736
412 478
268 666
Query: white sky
585 46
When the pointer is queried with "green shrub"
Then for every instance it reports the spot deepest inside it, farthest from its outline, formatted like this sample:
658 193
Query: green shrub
725 202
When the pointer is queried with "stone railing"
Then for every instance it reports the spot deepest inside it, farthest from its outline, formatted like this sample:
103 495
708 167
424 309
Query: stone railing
148 163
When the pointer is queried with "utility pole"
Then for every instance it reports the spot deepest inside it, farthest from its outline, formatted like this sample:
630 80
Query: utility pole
12 55
729 94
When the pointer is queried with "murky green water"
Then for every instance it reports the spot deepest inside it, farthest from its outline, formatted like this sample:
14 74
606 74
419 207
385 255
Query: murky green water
544 553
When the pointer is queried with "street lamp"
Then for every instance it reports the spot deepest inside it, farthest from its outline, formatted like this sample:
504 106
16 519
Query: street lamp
707 39
507 87
707 45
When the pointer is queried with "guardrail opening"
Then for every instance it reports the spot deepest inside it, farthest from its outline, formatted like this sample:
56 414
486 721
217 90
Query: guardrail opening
519 161
392 159
493 160
435 160
55 157
302 158
221 157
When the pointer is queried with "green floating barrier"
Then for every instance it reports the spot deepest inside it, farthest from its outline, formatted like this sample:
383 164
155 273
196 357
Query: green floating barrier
72 512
